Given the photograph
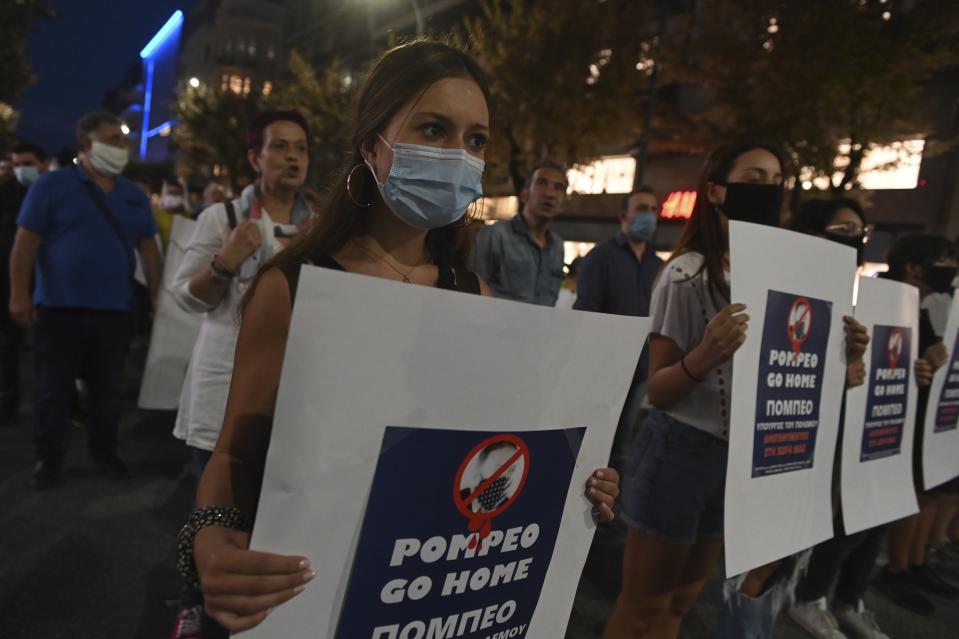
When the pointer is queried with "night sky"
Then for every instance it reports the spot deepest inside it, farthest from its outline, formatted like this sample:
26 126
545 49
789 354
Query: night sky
79 56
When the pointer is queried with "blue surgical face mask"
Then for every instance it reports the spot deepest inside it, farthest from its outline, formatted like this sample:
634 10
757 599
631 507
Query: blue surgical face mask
429 188
643 226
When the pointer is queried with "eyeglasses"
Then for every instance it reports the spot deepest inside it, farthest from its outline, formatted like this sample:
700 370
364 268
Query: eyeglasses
851 229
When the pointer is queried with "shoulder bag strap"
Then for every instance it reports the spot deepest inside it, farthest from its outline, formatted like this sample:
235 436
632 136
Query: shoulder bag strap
230 214
111 219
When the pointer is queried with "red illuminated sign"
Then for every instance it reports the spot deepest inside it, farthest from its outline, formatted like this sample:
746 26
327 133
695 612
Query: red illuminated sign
679 205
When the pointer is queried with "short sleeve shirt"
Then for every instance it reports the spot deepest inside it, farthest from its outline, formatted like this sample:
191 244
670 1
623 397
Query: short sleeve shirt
81 262
680 309
515 267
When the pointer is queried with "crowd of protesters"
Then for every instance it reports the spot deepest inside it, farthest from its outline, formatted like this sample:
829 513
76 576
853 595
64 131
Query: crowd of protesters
401 209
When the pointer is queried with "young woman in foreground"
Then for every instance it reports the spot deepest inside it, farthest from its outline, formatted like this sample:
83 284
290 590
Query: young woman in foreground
397 212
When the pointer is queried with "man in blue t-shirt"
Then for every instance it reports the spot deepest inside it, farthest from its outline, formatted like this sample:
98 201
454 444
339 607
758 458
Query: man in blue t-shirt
78 230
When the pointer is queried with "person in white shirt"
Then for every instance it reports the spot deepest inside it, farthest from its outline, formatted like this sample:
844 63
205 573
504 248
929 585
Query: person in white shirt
232 240
673 481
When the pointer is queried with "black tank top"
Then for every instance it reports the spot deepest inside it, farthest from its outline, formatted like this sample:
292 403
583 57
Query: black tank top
452 278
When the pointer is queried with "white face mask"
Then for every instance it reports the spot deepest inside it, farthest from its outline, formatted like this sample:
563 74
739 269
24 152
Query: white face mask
26 175
171 201
108 159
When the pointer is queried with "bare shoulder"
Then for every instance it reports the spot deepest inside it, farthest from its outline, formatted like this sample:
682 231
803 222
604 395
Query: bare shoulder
270 301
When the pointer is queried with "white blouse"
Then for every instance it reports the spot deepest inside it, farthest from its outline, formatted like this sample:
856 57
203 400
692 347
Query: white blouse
203 398
680 309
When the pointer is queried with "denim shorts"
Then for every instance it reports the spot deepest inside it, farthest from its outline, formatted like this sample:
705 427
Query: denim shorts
674 481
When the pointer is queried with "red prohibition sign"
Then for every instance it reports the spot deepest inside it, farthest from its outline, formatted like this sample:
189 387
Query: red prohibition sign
894 350
481 522
799 322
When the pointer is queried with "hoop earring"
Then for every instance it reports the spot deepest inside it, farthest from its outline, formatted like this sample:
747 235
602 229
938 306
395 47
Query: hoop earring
350 192
471 210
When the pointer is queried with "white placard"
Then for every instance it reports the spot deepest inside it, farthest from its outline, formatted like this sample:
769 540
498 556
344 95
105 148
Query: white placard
174 331
364 354
779 473
877 485
940 446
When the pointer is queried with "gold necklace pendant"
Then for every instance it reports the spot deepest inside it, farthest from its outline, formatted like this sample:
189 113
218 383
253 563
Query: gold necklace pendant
386 258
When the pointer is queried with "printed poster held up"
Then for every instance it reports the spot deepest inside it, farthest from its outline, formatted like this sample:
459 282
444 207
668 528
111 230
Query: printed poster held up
429 455
880 422
786 391
940 454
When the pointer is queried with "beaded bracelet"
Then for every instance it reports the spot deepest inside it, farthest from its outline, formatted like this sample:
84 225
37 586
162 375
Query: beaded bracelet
225 516
218 272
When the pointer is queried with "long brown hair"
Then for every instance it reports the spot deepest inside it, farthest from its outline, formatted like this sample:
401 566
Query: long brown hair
703 232
400 76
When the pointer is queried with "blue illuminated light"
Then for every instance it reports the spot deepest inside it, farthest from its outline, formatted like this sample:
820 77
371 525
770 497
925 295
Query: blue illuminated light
157 130
147 101
165 32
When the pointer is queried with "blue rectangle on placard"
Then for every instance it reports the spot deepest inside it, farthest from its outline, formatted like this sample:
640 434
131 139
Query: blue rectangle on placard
458 533
792 358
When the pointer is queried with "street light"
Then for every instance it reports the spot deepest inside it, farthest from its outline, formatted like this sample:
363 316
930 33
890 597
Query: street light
194 82
125 129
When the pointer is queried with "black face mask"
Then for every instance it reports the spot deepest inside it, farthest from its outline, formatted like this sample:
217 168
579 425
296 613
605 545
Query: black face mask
756 203
939 278
852 241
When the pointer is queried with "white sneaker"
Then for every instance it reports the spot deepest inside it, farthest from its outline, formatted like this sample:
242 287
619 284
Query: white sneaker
814 617
858 622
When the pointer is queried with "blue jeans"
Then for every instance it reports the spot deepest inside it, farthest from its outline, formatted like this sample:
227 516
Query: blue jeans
71 344
674 481
744 617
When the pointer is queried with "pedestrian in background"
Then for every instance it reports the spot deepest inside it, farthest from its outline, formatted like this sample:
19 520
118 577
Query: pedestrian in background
78 229
29 162
918 259
522 258
231 241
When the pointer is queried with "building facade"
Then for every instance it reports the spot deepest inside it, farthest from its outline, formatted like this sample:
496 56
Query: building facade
234 45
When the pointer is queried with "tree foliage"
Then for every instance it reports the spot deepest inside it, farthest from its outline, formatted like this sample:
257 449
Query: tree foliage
8 125
211 123
326 100
813 75
564 80
16 17
210 131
